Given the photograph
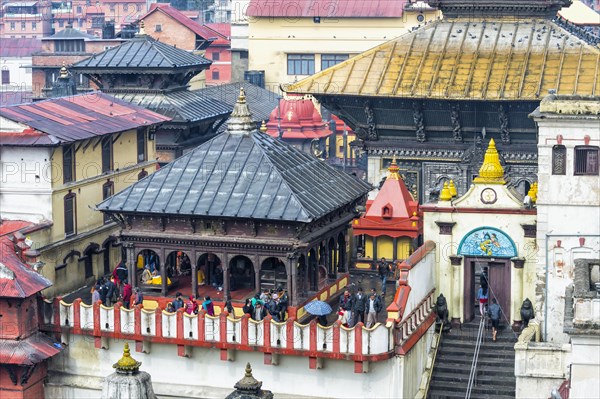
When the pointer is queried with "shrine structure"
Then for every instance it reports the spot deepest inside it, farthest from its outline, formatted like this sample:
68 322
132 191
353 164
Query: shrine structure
432 97
248 211
390 227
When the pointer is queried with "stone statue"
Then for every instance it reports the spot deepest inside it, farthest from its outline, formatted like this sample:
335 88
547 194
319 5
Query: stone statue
531 332
527 312
419 123
456 125
503 119
371 128
441 309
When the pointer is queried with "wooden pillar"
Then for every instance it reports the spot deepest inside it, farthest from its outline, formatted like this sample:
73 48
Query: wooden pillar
256 261
395 249
195 275
163 273
131 264
374 248
292 275
225 265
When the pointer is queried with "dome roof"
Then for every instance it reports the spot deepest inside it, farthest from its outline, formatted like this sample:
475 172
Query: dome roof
298 119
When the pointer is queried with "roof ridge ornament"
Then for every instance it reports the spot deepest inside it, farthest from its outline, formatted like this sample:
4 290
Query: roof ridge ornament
491 171
393 169
240 120
142 31
127 364
64 72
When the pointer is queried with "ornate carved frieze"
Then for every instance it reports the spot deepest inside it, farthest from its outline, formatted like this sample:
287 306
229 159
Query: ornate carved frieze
419 122
503 119
436 173
445 227
371 127
199 244
418 154
456 123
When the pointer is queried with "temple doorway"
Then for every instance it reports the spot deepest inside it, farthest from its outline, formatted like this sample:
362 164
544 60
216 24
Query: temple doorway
273 274
241 273
481 272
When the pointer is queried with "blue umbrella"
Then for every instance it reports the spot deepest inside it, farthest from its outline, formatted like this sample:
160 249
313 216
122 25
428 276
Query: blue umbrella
318 308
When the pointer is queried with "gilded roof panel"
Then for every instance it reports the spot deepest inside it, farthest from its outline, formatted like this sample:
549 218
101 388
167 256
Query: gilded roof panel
494 60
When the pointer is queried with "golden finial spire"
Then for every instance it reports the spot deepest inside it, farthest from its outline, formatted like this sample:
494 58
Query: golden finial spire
491 171
393 169
263 127
142 28
533 192
445 193
64 73
240 119
452 189
127 364
242 96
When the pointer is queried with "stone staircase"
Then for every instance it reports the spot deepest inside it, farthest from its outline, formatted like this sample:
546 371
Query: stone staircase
495 370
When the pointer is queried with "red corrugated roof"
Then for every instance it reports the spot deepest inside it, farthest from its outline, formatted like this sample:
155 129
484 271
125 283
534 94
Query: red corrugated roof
29 351
201 30
80 117
10 47
17 280
326 8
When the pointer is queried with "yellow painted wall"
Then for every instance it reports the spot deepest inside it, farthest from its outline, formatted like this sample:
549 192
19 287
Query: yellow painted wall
339 141
271 39
385 247
90 223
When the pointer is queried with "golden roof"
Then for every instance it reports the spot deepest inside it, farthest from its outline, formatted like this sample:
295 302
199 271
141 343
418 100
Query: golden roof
504 59
491 171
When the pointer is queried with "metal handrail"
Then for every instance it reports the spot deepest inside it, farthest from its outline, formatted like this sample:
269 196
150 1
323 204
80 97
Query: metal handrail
473 372
437 347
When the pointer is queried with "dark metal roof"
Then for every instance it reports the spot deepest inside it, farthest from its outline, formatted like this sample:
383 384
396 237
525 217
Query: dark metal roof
71 34
263 101
81 117
180 106
142 52
242 176
29 351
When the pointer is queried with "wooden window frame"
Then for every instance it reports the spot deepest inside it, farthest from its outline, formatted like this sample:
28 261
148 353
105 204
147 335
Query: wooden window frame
70 197
578 168
142 144
107 164
68 179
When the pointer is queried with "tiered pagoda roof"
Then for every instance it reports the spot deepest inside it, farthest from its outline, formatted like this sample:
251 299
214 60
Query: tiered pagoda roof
393 212
241 173
481 50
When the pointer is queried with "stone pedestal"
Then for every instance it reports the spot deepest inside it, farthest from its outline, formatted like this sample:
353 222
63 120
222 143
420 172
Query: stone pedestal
128 382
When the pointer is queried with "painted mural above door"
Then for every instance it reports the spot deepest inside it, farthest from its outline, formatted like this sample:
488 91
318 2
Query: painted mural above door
487 242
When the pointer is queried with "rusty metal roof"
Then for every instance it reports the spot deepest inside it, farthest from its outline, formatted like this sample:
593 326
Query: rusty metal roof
326 8
80 117
470 60
11 47
29 351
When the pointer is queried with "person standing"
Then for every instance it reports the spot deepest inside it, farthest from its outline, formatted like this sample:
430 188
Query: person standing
191 306
111 289
208 306
95 294
121 272
495 312
178 302
360 303
282 304
126 294
248 308
373 308
482 296
383 269
346 304
138 297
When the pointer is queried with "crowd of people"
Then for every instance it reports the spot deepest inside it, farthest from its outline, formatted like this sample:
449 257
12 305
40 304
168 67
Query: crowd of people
269 302
354 307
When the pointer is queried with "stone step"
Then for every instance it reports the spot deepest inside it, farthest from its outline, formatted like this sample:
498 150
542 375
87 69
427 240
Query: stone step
482 379
442 394
463 343
467 354
479 390
460 360
482 369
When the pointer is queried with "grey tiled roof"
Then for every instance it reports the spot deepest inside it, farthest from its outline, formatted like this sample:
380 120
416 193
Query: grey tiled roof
70 33
142 52
243 176
263 101
180 106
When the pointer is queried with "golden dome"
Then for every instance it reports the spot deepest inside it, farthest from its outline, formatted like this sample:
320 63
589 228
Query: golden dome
263 127
491 171
452 189
127 364
393 169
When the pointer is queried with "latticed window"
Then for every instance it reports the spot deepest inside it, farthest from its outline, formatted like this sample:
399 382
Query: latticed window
559 160
586 160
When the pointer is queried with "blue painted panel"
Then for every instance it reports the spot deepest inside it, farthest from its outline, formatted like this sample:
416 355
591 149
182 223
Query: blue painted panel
487 242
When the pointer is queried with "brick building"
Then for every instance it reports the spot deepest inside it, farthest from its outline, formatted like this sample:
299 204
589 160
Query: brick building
169 25
26 19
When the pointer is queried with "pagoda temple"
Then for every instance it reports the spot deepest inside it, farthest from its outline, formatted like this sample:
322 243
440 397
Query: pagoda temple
156 76
432 97
391 224
244 208
24 350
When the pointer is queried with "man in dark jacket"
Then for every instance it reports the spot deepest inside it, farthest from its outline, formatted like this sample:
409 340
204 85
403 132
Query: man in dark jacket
178 302
102 290
383 269
495 312
110 289
121 273
347 303
373 306
283 304
360 303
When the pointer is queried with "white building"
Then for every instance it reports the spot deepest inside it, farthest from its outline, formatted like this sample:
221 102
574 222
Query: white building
15 63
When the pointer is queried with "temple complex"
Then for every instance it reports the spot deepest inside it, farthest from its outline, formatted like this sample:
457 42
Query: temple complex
245 210
391 225
156 76
489 236
432 97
